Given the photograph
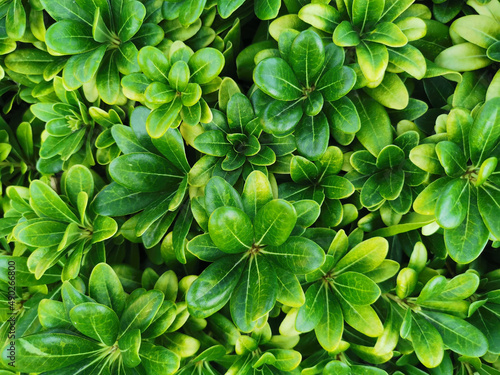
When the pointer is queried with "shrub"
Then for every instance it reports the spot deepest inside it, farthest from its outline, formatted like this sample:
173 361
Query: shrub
267 187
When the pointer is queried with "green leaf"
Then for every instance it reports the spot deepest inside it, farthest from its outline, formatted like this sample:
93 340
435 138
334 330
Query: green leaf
178 76
130 20
356 288
212 142
129 345
239 112
486 322
337 187
308 212
213 288
466 242
70 37
336 83
453 203
158 360
477 29
29 61
203 248
488 202
96 321
343 116
362 318
104 228
162 118
40 232
458 335
117 200
487 134
391 92
311 312
275 77
366 13
312 136
108 80
78 179
171 145
267 9
298 255
227 7
16 20
390 157
255 295
307 56
345 35
180 231
372 59
50 351
331 326
230 229
376 129
388 34
154 64
281 117
460 287
290 291
365 256
427 342
140 312
23 276
257 192
205 65
274 222
463 57
408 59
48 203
322 16
105 288
60 10
219 193
144 172
452 158
52 314
424 156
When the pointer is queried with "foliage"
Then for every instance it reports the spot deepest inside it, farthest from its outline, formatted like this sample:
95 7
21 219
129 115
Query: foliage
228 187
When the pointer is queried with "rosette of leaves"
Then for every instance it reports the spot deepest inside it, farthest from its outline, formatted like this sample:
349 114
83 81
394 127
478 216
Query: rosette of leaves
342 291
18 159
236 141
107 332
320 182
465 199
102 38
56 230
69 126
255 256
389 177
172 84
150 177
476 39
431 317
305 86
379 31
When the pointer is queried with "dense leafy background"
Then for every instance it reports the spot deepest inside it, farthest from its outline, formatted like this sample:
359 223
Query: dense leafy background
250 187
